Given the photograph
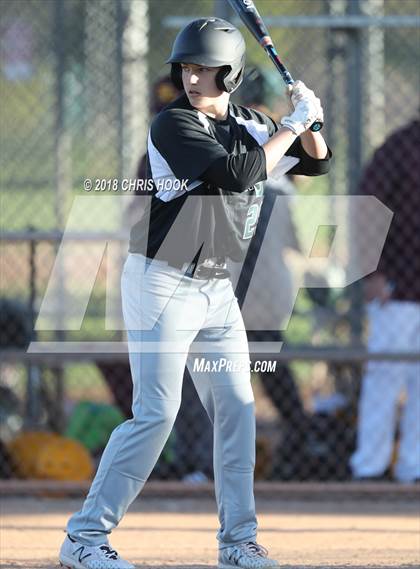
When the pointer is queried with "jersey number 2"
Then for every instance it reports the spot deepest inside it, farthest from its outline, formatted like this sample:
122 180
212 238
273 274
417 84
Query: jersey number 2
251 221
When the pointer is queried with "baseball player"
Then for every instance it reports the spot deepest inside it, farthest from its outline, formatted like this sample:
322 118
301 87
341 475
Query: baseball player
208 159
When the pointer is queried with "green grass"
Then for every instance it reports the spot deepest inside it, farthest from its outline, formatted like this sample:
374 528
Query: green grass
21 209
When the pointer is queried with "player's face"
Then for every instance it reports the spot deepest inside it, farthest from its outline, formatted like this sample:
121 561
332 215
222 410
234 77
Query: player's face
200 86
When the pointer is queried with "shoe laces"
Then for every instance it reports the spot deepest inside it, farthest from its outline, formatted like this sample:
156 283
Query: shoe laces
108 552
253 549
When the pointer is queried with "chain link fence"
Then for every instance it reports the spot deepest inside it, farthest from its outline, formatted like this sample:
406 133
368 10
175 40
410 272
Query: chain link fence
79 83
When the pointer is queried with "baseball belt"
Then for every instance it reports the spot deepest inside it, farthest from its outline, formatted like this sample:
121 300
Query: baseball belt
212 268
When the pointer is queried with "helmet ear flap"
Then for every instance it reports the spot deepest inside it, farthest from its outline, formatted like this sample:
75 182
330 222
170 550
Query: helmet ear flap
229 80
221 76
176 76
237 80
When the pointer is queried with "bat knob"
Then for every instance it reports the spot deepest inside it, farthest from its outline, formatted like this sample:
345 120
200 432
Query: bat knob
316 126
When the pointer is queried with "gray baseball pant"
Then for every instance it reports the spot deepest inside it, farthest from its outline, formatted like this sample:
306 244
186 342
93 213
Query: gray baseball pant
171 320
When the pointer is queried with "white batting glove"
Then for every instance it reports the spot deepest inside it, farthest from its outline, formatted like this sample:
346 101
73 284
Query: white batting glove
307 109
304 115
298 91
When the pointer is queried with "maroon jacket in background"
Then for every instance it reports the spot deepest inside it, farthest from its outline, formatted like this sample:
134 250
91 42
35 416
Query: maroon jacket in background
393 176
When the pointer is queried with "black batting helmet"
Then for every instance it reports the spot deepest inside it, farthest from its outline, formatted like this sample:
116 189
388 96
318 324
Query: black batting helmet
211 42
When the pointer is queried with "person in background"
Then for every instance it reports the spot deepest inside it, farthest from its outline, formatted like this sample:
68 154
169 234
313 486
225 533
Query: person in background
271 299
393 296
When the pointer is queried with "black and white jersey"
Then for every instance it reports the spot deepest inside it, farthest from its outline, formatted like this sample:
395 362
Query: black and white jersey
207 182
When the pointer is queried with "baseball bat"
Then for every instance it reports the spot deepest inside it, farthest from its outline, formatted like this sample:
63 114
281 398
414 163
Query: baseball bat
250 16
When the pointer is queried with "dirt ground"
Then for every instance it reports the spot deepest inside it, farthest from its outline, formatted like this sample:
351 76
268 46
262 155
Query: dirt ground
180 533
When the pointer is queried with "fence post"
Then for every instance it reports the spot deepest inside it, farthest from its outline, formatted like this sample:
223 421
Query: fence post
373 80
354 89
62 184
